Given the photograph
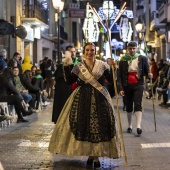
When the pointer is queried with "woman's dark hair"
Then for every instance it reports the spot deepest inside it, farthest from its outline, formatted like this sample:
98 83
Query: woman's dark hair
5 77
27 73
11 63
15 54
49 61
7 73
33 67
89 43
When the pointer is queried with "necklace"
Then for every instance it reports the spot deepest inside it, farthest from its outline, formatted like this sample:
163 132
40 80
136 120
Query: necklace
88 67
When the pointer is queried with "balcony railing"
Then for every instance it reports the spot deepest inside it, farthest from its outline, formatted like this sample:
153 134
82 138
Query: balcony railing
35 9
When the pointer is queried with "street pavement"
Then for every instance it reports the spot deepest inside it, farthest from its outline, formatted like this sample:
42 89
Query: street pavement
25 145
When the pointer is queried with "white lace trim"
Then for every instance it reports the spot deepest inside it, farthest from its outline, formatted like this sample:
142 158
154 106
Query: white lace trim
98 70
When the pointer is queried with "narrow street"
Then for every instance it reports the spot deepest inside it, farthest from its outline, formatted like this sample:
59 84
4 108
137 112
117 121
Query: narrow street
25 145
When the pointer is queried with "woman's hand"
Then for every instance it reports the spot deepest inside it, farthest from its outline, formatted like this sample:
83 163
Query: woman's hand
122 93
24 104
150 75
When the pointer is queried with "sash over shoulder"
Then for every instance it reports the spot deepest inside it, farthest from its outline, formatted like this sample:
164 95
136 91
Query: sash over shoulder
82 72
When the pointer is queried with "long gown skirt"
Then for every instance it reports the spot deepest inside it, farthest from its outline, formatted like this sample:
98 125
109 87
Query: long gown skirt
63 140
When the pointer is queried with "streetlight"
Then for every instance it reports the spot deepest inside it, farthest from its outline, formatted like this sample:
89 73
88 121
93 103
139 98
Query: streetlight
139 25
58 5
140 30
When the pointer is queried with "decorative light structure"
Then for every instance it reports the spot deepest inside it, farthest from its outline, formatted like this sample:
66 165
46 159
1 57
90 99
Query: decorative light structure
90 26
108 9
110 12
58 5
125 29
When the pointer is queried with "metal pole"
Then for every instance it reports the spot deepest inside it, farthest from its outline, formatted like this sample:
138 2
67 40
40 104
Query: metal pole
58 38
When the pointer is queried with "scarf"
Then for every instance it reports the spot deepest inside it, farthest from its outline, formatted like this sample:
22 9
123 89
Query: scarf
38 76
127 57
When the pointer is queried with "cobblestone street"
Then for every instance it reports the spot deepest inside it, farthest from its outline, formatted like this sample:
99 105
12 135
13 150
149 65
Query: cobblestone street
25 145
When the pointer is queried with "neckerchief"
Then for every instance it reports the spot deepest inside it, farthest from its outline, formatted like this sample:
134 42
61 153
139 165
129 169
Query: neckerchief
127 57
38 76
75 61
86 76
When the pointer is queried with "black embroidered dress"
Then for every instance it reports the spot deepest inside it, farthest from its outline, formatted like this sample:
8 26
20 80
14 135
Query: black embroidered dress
87 125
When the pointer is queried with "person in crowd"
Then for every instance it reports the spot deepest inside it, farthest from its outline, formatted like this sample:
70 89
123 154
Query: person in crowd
43 67
3 57
132 68
168 101
62 89
33 69
70 53
11 63
9 94
72 50
160 64
26 64
38 82
108 85
19 86
87 125
154 71
26 79
17 57
44 99
162 90
50 68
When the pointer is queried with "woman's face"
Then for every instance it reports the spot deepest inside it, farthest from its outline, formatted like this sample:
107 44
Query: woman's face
15 64
89 52
33 70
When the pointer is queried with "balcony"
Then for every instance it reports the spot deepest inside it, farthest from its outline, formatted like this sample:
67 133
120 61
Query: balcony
162 13
35 13
155 24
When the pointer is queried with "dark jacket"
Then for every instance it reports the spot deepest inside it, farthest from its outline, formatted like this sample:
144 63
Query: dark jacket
8 88
49 70
38 82
3 63
143 69
43 69
28 85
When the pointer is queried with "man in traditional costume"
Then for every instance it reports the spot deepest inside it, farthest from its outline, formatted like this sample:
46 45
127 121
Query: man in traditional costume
132 68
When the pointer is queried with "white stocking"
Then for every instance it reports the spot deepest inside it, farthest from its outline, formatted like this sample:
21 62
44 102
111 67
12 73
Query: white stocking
129 117
138 119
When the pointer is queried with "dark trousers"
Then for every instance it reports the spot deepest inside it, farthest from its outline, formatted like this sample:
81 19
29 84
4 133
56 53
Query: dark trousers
164 93
50 84
134 94
37 100
124 101
33 101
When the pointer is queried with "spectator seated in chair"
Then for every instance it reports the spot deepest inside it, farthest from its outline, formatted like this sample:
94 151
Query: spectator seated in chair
9 94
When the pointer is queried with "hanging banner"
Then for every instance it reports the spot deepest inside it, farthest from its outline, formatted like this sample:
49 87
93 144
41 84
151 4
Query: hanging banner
77 13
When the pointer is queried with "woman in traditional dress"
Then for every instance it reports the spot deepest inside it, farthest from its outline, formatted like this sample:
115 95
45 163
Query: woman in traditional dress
87 125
